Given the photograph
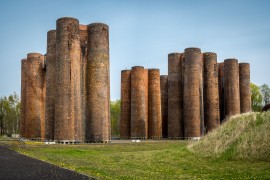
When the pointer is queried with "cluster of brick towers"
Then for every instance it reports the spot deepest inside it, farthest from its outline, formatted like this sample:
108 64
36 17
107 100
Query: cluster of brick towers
65 94
192 99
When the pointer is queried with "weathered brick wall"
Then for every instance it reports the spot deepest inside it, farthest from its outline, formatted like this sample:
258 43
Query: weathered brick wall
125 104
210 92
192 101
201 97
154 104
83 44
244 84
34 115
221 90
139 102
164 104
50 85
68 83
43 99
98 84
175 96
231 87
23 95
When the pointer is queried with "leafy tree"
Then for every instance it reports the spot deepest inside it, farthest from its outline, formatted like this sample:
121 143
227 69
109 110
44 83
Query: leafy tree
115 117
256 97
10 108
3 112
265 90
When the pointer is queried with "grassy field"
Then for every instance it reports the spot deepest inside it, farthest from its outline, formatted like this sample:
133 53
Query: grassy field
160 160
237 150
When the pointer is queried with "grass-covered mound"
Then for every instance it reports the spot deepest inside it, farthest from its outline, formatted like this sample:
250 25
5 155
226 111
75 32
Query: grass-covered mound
245 136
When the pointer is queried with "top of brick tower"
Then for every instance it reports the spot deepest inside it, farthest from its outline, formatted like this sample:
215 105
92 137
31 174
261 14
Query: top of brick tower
98 24
34 54
192 49
66 18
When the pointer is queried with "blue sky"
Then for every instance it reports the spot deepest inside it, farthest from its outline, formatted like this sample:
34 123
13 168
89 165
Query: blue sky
142 32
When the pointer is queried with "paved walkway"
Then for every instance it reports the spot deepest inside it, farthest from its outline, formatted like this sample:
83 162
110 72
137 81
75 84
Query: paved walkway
17 166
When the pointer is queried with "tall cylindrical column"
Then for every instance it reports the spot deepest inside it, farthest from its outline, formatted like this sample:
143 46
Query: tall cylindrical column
68 83
244 84
210 91
175 96
23 95
164 104
35 100
50 82
192 100
221 90
139 102
154 104
231 87
83 41
125 104
98 84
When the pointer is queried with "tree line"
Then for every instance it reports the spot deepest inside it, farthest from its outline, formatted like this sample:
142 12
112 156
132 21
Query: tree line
10 113
260 96
10 110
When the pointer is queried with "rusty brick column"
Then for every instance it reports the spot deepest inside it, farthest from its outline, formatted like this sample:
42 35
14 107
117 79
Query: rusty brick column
50 82
192 101
175 96
203 131
23 95
35 101
210 91
164 104
221 90
68 83
83 41
154 104
98 84
231 87
139 102
125 104
244 84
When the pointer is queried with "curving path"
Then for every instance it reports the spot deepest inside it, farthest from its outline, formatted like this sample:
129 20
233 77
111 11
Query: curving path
17 166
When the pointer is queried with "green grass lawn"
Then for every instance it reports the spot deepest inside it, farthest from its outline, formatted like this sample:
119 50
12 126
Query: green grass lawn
145 160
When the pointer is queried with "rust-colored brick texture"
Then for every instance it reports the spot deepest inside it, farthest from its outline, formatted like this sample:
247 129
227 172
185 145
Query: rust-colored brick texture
68 83
33 96
73 80
164 104
231 87
139 102
175 96
244 84
210 92
154 104
196 95
221 90
98 84
50 85
83 44
65 95
192 100
125 104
